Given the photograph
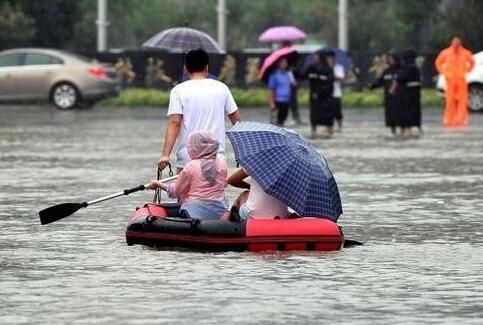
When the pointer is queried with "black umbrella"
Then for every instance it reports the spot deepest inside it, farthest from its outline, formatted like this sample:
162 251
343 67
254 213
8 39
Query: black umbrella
182 40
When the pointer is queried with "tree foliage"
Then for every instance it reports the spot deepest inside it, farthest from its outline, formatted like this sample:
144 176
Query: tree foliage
375 25
16 28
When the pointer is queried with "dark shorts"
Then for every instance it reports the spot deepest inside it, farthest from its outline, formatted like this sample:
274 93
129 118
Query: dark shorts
282 111
337 108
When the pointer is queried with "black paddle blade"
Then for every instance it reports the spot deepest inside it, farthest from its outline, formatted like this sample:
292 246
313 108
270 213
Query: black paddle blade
351 243
59 211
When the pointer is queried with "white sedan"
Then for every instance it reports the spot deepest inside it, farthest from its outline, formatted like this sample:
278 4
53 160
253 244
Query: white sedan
475 84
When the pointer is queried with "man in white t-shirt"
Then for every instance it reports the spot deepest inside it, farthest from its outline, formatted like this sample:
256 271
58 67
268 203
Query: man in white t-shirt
339 75
197 104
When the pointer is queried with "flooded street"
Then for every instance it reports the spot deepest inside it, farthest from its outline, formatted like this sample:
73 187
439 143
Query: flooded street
416 204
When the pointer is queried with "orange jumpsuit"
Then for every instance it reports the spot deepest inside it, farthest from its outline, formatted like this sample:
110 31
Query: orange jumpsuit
454 63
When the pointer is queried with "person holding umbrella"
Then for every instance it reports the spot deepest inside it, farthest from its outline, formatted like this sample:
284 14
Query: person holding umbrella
321 82
280 85
286 171
274 72
255 202
285 36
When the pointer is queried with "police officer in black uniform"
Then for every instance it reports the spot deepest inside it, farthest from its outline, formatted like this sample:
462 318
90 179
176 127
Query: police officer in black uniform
321 82
409 80
392 102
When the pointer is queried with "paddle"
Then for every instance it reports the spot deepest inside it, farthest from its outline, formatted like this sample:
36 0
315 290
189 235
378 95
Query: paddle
63 210
350 243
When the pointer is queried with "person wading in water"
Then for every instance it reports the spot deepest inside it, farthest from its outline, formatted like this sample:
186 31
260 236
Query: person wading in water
321 81
197 104
454 62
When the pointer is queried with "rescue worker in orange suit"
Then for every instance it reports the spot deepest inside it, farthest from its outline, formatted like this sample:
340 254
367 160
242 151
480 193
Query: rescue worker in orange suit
454 62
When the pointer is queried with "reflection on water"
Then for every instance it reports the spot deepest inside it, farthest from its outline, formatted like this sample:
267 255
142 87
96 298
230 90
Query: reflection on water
417 205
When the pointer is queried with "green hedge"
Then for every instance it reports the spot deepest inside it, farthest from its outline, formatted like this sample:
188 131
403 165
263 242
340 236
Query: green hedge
257 97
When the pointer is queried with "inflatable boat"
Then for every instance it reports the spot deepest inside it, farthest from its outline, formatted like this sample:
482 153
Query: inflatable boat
162 225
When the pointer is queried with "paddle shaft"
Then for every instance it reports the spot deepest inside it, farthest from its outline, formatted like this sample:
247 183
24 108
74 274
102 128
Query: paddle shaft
108 197
127 191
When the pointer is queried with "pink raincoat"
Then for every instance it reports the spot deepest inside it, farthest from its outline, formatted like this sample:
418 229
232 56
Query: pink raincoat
204 177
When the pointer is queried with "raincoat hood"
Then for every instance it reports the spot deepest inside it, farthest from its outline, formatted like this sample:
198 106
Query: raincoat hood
202 145
456 47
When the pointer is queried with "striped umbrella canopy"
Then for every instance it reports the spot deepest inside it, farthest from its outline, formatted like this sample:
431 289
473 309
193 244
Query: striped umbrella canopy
182 40
287 167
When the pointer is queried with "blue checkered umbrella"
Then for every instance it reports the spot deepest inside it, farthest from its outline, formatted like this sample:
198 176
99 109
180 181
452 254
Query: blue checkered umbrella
287 167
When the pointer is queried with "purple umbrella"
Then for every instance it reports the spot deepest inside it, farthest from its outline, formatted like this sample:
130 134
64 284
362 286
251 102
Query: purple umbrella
282 34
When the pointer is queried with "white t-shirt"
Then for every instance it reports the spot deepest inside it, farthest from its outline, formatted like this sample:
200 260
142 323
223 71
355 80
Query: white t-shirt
203 104
338 74
263 205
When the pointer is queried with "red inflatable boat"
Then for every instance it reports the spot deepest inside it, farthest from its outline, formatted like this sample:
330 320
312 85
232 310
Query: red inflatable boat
163 226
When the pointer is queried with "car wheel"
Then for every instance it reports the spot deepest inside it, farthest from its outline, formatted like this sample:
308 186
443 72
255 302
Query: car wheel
65 96
475 101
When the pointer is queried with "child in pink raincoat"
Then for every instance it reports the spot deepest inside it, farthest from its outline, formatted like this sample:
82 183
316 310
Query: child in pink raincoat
200 187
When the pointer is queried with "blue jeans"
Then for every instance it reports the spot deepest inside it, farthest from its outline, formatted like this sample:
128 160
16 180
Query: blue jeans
205 209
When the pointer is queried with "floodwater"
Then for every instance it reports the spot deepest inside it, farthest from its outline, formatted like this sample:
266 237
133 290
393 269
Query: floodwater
416 204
